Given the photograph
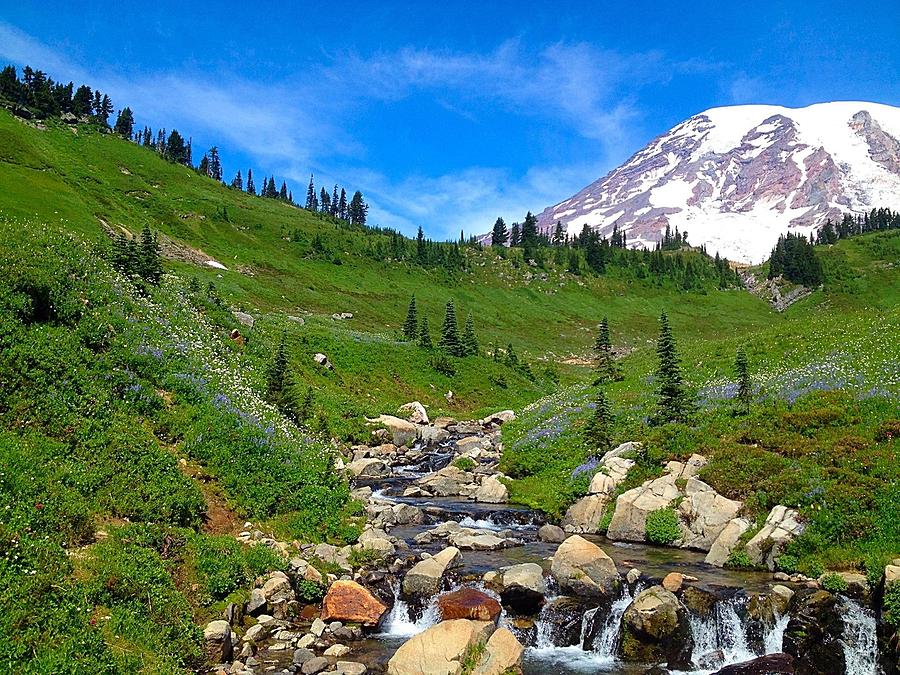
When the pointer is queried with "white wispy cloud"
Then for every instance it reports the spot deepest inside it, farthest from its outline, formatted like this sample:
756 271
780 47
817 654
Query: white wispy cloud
298 126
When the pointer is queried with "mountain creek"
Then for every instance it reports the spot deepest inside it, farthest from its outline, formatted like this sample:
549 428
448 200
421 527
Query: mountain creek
454 580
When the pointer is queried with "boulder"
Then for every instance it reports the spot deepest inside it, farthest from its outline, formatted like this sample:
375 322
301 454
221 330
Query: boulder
522 587
613 471
726 541
781 526
814 634
337 651
584 516
499 418
672 582
480 540
770 664
277 588
447 482
244 319
376 540
424 579
629 520
257 603
582 567
891 573
401 431
552 534
655 628
315 665
440 650
349 602
468 603
502 654
704 514
492 491
368 468
349 668
217 641
415 412
323 361
630 448
433 434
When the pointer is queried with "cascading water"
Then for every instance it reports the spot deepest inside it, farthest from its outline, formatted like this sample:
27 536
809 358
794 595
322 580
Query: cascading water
859 639
720 638
399 623
774 640
606 641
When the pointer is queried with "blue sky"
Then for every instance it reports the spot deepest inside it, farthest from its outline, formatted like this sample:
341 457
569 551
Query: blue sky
449 114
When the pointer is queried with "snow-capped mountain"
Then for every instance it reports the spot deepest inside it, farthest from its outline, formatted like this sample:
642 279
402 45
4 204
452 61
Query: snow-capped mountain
735 178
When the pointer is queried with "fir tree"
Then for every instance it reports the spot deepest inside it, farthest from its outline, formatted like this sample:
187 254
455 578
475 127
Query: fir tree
306 409
511 359
742 370
450 341
425 334
604 364
124 123
469 339
283 192
342 205
514 237
673 404
214 170
175 149
312 203
500 234
325 201
358 209
597 431
275 377
150 261
251 188
335 199
238 182
411 325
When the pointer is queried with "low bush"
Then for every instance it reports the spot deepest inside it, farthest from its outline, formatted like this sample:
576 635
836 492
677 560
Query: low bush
833 583
662 526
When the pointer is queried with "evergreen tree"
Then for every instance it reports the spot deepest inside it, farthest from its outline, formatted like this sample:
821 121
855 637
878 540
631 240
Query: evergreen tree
150 260
335 199
597 431
673 404
511 359
82 101
604 365
450 341
214 170
283 192
421 248
175 149
275 377
124 123
203 166
515 238
312 203
742 370
251 188
358 209
469 339
342 205
425 334
325 201
411 325
238 182
529 237
499 235
306 409
104 110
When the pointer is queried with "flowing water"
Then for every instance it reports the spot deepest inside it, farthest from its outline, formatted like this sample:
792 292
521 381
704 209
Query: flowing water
720 639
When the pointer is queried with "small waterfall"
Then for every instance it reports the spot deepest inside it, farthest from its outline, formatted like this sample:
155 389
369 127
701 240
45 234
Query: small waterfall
544 635
606 641
774 640
399 624
722 631
859 639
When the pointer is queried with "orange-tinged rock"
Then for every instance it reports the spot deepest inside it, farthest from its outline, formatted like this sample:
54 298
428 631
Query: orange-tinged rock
348 602
468 603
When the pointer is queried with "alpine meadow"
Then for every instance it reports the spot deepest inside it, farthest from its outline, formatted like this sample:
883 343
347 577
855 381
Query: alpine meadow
262 410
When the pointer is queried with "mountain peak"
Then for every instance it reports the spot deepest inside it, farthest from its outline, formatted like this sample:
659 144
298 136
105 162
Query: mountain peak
736 177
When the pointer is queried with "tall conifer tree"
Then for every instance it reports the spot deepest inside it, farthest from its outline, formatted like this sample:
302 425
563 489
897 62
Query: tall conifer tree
673 403
450 341
469 339
411 325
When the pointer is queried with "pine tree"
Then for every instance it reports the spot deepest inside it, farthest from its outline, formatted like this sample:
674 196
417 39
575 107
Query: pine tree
449 341
324 201
150 261
251 188
604 365
514 236
425 334
214 170
597 431
469 339
742 370
175 149
500 234
312 203
277 369
238 182
334 200
283 192
673 404
411 325
124 123
358 209
342 205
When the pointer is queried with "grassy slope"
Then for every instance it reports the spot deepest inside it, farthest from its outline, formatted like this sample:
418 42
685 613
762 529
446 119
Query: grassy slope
822 434
57 175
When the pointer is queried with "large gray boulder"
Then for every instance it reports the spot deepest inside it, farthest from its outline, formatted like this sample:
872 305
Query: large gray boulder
425 577
522 587
401 431
492 491
704 514
583 568
441 649
368 468
217 641
655 628
584 516
782 525
629 521
726 541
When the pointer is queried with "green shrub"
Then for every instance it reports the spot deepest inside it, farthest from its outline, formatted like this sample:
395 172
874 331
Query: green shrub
224 565
310 591
603 527
464 463
833 583
891 605
662 526
788 564
739 560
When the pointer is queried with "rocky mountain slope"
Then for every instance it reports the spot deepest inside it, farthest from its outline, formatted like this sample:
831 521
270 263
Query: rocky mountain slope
737 177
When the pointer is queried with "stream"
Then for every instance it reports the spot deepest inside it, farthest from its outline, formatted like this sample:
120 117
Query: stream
721 638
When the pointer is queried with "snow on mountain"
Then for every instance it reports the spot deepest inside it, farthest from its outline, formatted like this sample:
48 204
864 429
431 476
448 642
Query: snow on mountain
736 177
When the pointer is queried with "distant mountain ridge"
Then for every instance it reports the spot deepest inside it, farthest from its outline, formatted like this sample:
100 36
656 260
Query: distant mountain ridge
736 177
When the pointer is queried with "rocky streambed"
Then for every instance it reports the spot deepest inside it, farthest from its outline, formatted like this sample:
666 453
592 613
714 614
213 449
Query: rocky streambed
448 578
